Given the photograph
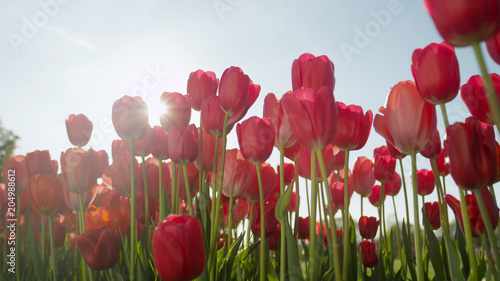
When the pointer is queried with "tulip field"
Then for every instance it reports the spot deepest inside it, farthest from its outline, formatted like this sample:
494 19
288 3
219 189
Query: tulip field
172 202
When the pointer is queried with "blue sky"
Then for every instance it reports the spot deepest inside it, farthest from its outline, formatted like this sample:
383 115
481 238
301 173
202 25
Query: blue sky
73 56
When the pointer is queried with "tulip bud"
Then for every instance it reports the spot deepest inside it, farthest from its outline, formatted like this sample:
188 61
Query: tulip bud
79 129
368 227
368 253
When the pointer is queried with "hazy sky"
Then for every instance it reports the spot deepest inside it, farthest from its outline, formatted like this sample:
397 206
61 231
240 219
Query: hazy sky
73 56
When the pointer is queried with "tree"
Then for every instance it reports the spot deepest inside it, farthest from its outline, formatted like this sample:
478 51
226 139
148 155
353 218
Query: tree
7 144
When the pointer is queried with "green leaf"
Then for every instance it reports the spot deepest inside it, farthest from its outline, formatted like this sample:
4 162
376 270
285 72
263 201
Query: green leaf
453 261
227 265
35 256
294 270
271 273
410 260
353 251
282 204
462 249
434 250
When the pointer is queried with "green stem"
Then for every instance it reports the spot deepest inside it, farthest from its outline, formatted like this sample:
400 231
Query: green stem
188 190
489 227
146 201
468 235
484 243
230 222
418 243
333 225
283 237
442 210
297 202
361 205
81 226
444 185
397 225
347 216
307 200
262 253
383 235
52 253
200 157
488 85
445 115
407 206
161 191
173 200
312 220
133 226
249 230
492 190
329 234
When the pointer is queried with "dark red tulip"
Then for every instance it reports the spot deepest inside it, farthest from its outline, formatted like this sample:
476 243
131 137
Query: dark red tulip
461 23
432 213
426 183
472 154
473 93
304 164
117 175
183 144
303 228
475 217
178 250
158 143
208 152
493 45
130 118
269 181
442 165
212 116
393 186
433 147
141 146
256 139
140 207
79 129
289 175
45 193
269 218
238 174
201 85
313 72
353 127
275 238
312 115
394 152
436 73
99 247
58 231
80 169
273 109
374 196
368 253
234 90
384 164
407 121
368 227
15 170
38 162
177 110
362 176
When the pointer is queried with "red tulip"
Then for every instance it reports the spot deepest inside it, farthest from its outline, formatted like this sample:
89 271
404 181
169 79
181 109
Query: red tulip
303 228
130 118
368 227
305 163
475 217
45 193
362 176
393 186
241 210
96 217
118 148
293 207
140 208
289 175
273 109
38 162
321 228
353 127
312 115
426 183
117 175
72 200
368 253
313 72
103 159
152 174
212 116
338 158
58 231
464 22
193 178
141 146
383 164
80 169
433 147
337 191
256 139
394 152
432 213
275 238
493 45
293 153
79 129
200 86
436 73
158 143
99 247
473 94
177 110
240 111
472 153
234 90
183 144
374 196
208 152
442 165
178 250
269 181
269 218
15 168
407 121
238 174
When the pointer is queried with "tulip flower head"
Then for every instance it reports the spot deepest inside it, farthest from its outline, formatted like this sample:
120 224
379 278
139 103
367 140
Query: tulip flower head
473 94
368 253
201 85
362 176
353 127
313 72
256 139
130 118
432 213
79 129
99 247
368 227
